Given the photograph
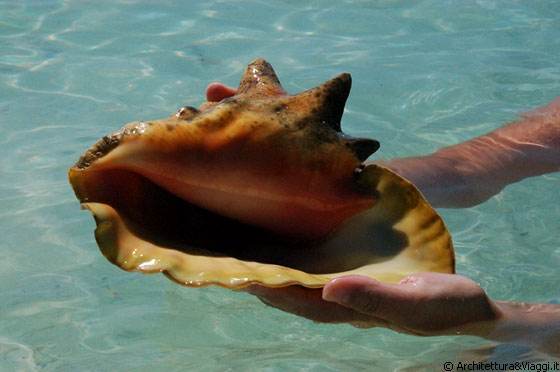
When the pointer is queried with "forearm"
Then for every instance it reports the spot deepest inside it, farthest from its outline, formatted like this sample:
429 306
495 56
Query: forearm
469 173
535 325
439 180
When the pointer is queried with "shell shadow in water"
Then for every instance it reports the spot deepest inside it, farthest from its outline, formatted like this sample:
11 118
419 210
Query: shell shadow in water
262 187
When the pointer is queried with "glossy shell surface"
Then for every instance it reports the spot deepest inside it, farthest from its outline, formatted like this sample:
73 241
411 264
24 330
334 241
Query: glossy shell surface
260 188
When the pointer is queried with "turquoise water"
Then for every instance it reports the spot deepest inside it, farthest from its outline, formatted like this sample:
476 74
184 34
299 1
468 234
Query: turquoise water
426 74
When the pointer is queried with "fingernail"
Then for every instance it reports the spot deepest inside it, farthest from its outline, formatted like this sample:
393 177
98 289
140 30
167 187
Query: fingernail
335 295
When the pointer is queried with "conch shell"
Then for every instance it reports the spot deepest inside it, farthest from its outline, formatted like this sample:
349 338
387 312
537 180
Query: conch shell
260 188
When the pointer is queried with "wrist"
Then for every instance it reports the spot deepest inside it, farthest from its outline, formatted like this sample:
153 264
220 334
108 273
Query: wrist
536 325
485 324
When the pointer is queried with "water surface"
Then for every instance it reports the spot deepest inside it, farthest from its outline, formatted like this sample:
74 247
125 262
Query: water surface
426 74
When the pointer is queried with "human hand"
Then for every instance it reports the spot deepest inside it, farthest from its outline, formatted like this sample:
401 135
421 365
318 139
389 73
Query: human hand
215 92
421 304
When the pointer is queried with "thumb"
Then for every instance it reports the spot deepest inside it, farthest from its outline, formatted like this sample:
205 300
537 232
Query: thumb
360 293
369 296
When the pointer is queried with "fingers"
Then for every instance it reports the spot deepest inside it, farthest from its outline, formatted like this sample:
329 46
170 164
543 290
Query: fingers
307 303
215 92
409 301
424 303
391 306
364 295
369 296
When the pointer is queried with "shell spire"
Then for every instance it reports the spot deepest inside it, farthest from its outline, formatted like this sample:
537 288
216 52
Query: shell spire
326 101
323 105
331 98
259 79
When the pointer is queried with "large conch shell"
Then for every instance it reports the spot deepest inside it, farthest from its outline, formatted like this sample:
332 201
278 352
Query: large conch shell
260 188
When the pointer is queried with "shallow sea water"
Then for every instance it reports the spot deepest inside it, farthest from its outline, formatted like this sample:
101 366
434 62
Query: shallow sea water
426 74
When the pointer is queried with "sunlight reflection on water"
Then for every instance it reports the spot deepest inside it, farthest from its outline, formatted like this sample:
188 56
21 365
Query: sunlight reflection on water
424 76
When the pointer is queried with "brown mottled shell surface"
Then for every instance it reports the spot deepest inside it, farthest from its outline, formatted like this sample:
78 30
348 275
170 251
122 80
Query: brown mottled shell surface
262 187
